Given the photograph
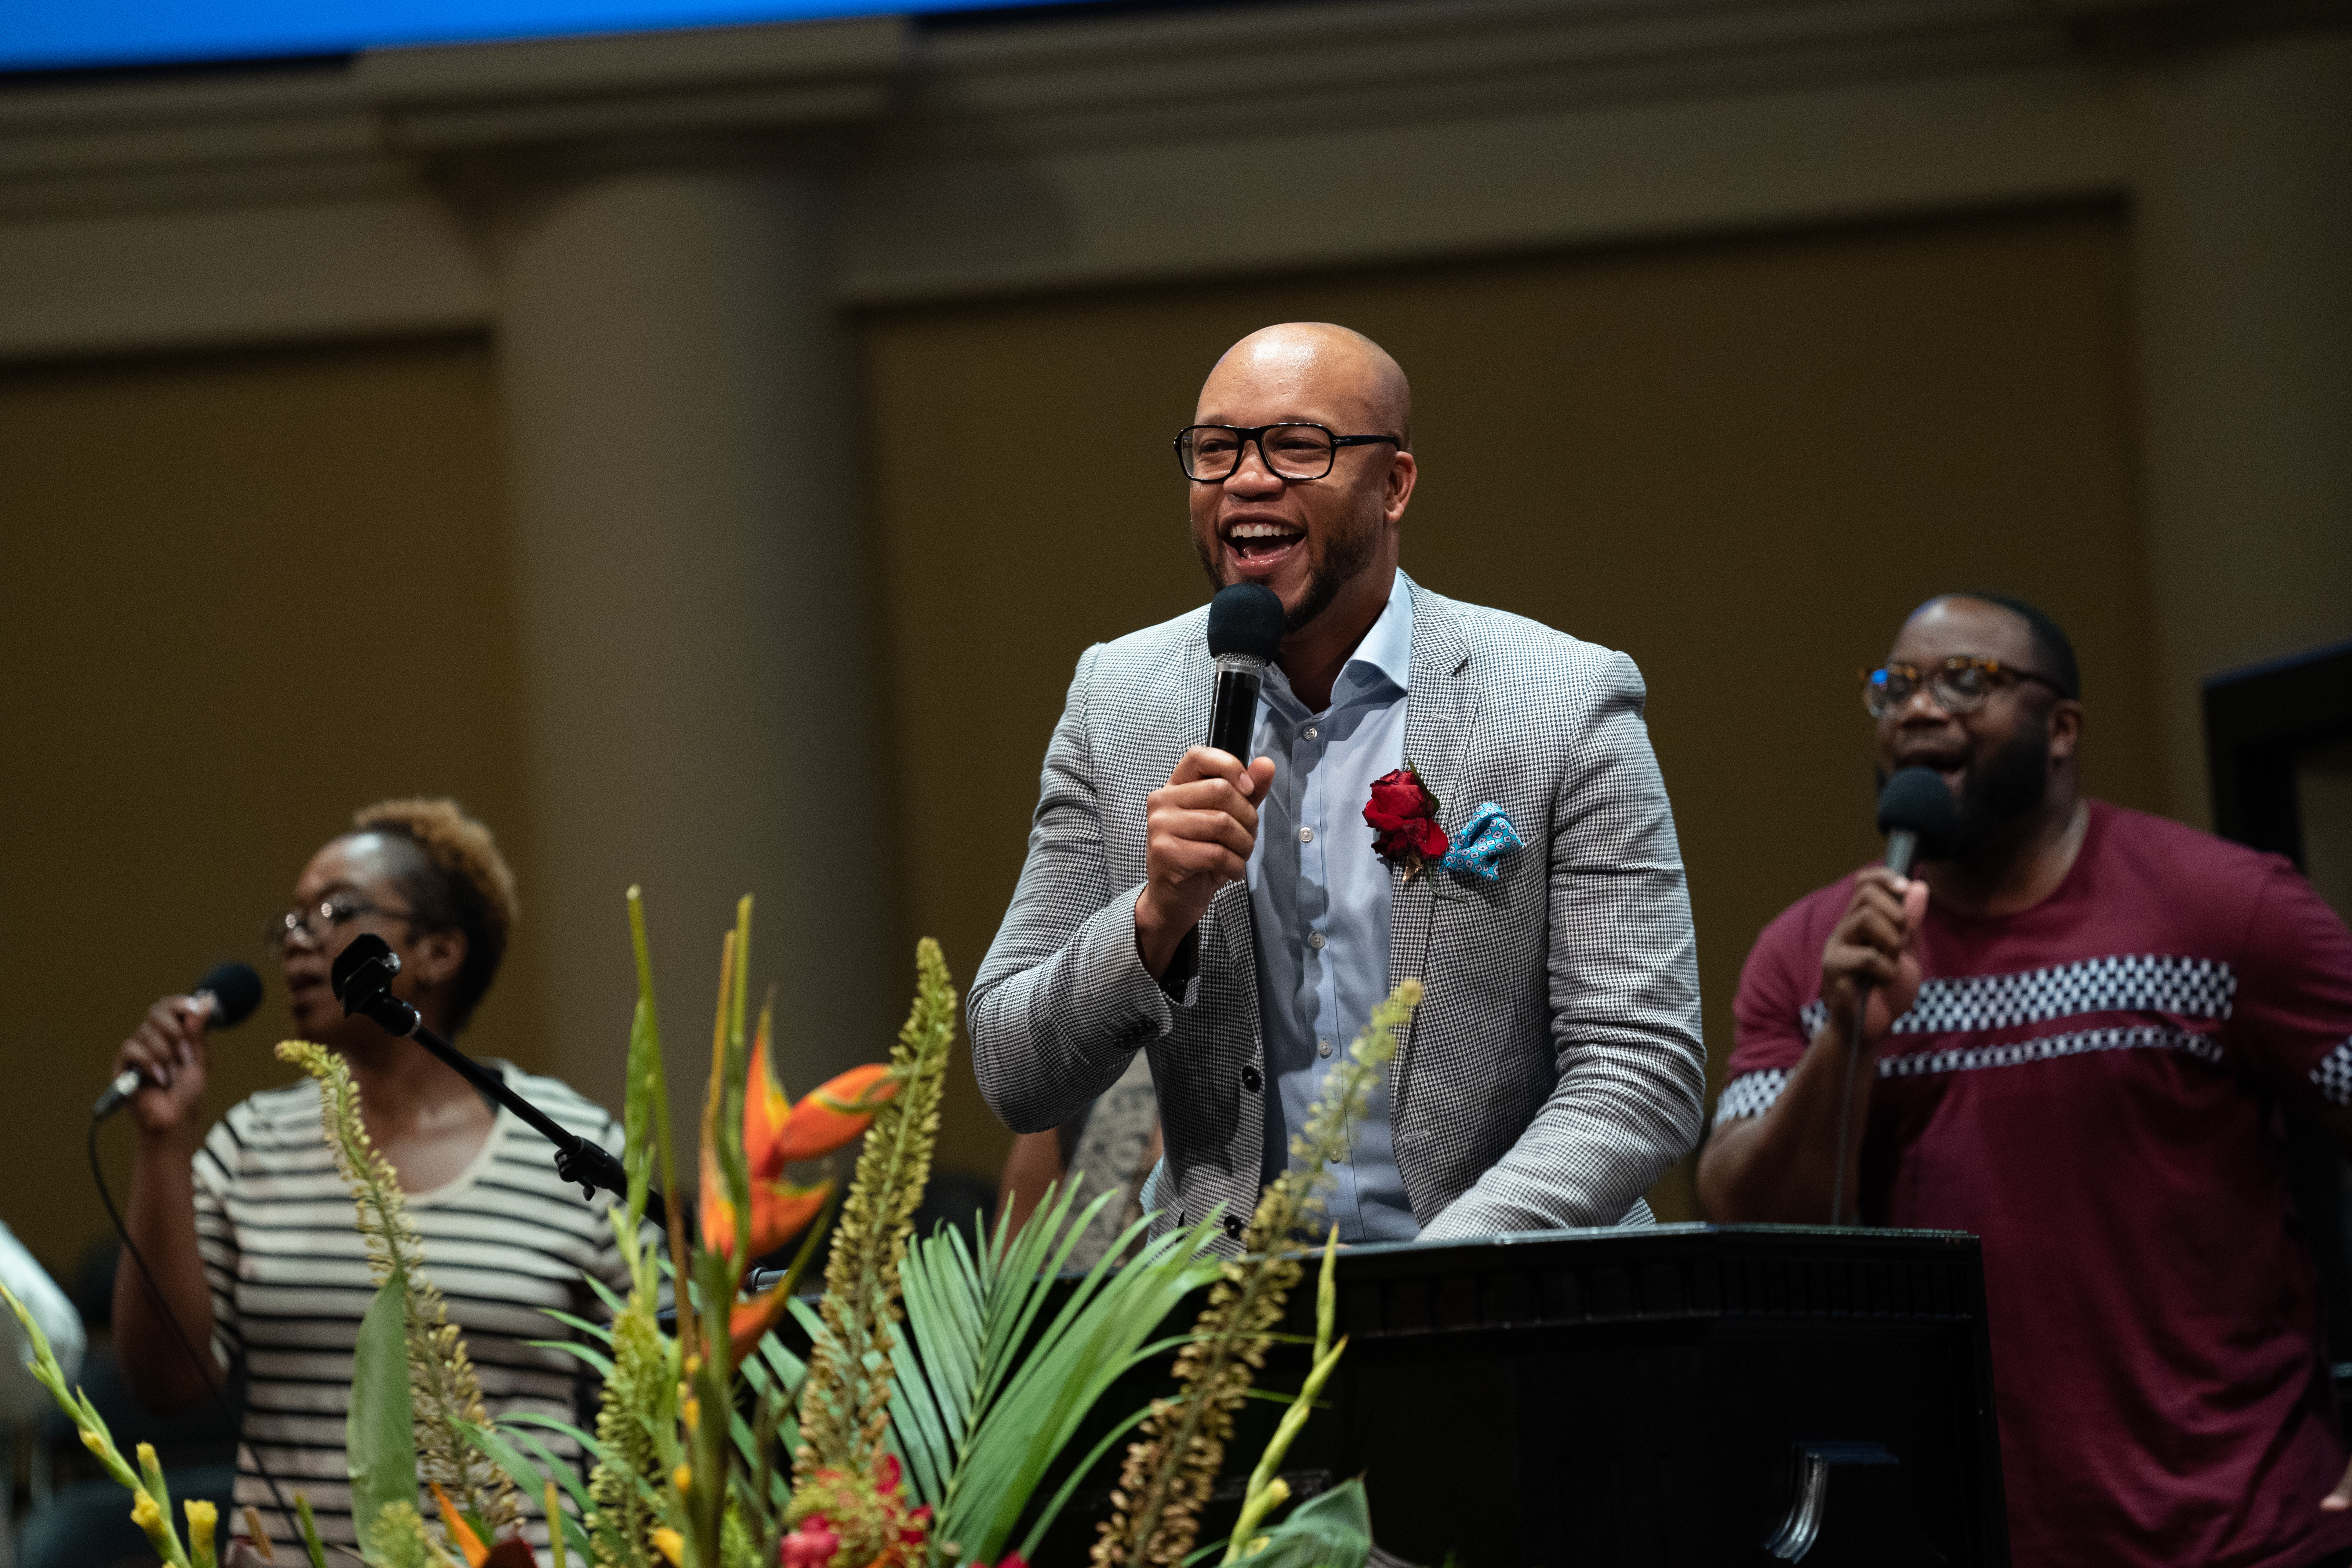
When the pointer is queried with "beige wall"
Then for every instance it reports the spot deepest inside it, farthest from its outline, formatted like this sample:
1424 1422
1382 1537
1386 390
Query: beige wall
1740 462
239 597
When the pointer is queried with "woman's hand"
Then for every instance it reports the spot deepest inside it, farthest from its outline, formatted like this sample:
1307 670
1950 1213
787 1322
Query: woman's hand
168 1050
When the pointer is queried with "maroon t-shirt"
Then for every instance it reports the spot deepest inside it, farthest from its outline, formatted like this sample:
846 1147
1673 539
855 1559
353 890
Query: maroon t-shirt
2091 1087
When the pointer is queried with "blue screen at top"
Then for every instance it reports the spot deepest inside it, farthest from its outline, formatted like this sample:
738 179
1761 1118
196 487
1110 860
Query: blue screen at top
62 35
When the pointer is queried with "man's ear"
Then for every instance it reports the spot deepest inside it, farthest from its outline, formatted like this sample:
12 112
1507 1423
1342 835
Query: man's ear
2065 728
437 956
1403 470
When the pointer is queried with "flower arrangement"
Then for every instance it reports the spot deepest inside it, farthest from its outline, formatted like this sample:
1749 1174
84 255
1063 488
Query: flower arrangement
938 1398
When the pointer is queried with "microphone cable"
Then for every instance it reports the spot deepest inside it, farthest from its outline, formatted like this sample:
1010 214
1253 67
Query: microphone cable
206 1371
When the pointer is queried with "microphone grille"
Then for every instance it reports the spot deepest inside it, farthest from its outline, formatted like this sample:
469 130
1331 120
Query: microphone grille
1917 799
236 991
1245 618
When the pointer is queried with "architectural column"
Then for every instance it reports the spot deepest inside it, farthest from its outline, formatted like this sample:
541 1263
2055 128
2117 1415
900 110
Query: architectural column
2243 241
691 621
692 587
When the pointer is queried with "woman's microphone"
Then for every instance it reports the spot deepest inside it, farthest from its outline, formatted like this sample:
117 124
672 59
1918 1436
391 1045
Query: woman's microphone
229 993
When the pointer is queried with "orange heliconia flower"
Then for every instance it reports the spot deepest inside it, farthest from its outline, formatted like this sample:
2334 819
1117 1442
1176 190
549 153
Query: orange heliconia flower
780 1211
838 1110
514 1551
775 1133
748 1322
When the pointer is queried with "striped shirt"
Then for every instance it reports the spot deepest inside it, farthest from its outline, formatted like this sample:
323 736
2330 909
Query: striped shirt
277 1229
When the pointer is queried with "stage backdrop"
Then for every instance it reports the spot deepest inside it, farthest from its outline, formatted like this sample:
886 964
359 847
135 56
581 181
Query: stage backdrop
240 594
1741 463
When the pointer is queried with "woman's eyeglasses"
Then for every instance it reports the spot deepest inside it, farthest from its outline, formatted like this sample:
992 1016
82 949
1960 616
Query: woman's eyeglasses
317 921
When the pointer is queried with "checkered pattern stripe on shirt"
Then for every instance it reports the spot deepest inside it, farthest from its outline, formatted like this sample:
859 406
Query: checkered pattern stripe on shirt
2332 1076
2138 983
2130 983
1555 1069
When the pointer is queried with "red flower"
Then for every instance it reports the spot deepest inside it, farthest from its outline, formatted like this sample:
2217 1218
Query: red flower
810 1546
1402 815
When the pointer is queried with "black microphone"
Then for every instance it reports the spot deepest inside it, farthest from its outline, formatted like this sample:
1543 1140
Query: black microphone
228 992
1245 625
1916 813
361 977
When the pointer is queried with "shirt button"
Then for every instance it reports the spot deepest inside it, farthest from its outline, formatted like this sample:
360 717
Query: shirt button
1233 1225
1322 1047
1311 732
1306 835
1315 940
1252 1079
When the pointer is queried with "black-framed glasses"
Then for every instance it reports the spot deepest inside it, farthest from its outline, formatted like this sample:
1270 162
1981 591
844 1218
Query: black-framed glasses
1209 453
318 922
1960 684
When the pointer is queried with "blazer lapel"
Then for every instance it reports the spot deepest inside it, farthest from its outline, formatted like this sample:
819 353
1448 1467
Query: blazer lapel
1440 709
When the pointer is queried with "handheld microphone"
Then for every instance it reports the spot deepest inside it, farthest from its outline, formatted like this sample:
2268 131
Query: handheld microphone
1246 623
228 992
1916 813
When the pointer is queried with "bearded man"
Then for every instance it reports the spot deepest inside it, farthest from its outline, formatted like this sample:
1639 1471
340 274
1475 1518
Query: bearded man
1235 921
2080 1022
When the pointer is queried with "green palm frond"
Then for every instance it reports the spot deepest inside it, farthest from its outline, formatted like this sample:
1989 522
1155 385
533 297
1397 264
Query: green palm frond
985 1401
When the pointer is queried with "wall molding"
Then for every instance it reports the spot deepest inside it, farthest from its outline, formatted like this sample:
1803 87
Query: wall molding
1049 153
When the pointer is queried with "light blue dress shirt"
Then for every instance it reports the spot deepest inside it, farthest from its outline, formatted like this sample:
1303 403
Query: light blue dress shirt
1320 898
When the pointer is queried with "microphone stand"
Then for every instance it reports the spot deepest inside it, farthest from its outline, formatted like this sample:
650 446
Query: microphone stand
362 979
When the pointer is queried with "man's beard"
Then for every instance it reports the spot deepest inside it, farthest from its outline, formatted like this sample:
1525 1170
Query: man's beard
1329 569
2000 788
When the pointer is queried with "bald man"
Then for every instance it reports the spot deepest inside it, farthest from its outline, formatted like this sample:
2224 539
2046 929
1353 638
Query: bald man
1235 921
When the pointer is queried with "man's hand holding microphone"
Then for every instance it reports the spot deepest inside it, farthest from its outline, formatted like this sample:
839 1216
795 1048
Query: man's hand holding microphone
1874 948
1202 823
1201 826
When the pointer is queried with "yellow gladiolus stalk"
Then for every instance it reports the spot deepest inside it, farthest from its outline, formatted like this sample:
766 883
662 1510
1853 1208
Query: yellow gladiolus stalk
203 1518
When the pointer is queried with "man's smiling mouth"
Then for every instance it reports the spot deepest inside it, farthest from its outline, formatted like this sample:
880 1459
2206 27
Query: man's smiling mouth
1260 541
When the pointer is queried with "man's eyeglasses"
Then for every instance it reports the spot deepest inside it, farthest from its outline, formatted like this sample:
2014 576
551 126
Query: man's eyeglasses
1209 453
1961 684
316 921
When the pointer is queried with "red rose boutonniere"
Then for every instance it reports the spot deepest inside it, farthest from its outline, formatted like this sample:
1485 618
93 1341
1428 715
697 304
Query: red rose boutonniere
1404 818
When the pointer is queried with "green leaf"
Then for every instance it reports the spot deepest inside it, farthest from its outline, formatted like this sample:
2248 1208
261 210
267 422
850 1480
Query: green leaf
587 1440
601 1333
562 1471
596 1359
605 1292
380 1440
309 1526
1332 1530
526 1476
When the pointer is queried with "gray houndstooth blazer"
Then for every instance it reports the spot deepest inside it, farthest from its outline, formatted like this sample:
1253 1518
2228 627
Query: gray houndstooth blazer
1555 1069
